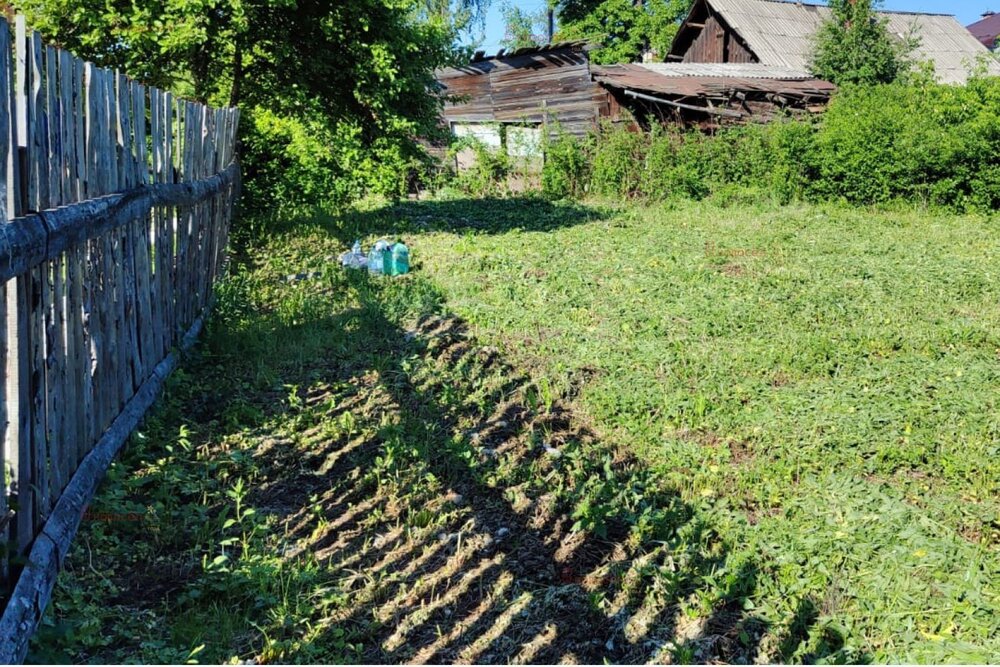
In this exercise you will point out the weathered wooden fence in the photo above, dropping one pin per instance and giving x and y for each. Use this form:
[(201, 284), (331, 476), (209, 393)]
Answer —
[(114, 214)]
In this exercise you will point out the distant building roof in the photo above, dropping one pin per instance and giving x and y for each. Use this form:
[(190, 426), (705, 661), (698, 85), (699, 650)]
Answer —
[(781, 34), (987, 29)]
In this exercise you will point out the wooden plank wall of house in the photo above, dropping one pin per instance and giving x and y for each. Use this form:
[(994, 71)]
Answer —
[(114, 216), (550, 85), (714, 42)]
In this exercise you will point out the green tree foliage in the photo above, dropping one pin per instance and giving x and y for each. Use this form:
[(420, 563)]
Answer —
[(855, 47), (520, 27), (624, 29), (338, 91)]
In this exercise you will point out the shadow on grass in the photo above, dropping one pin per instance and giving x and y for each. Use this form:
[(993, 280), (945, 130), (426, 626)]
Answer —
[(430, 503), (481, 216), (467, 517)]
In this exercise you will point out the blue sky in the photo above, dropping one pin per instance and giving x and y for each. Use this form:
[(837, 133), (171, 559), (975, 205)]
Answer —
[(966, 11)]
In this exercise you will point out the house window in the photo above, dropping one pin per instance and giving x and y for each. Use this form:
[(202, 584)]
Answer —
[(521, 142)]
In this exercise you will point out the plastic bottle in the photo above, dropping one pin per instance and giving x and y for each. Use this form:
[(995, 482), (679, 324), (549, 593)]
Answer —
[(356, 248), (375, 261), (400, 259)]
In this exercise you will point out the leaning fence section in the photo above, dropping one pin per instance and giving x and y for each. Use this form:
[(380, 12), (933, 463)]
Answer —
[(114, 214)]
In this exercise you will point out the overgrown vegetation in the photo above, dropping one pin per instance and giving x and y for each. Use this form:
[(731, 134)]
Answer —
[(923, 143), (854, 46), (708, 422), (334, 95), (622, 29), (522, 27), (685, 432)]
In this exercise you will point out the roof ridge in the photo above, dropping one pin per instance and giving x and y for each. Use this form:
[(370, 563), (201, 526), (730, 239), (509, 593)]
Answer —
[(878, 11)]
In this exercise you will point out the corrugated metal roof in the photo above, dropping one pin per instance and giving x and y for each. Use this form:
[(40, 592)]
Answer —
[(647, 78), (780, 33), (732, 70)]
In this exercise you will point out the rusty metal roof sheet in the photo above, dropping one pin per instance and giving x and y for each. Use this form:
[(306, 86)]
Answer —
[(643, 77), (732, 70), (780, 33)]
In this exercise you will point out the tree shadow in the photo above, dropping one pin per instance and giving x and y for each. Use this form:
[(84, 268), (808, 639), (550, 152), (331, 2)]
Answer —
[(488, 215), (460, 513), (534, 541)]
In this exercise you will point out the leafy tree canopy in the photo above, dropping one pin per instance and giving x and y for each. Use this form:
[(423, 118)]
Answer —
[(854, 47), (355, 78), (624, 29), (521, 28)]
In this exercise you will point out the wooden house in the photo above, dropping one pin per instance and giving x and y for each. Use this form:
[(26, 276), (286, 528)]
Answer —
[(732, 61), (506, 100), (780, 34)]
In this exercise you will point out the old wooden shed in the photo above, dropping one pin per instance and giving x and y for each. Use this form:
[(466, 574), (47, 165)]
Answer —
[(509, 99), (531, 86)]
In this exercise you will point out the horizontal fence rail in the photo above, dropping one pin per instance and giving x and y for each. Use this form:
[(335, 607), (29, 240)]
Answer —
[(114, 216)]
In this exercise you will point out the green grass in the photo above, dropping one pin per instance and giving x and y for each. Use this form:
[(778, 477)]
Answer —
[(776, 428)]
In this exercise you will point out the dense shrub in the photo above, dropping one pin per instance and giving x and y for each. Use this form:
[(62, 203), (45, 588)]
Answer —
[(928, 143), (566, 171), (674, 167), (617, 162), (488, 172), (287, 161), (296, 164), (931, 143)]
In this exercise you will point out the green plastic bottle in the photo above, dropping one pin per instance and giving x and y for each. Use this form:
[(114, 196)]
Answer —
[(400, 259), (387, 268)]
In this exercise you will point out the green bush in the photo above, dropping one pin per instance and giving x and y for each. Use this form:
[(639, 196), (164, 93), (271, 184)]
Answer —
[(673, 166), (296, 165), (487, 175), (288, 166), (566, 170), (935, 144), (920, 142), (792, 153), (618, 160)]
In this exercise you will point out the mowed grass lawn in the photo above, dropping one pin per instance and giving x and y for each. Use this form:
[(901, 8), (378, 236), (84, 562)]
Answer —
[(677, 433), (822, 382)]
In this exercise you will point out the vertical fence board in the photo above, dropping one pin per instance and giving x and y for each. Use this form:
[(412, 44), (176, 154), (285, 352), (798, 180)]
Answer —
[(93, 352), (168, 138), (76, 399), (38, 151), (5, 512), (56, 409), (79, 162), (126, 142), (113, 127), (141, 126), (18, 388), (66, 139), (38, 302), (88, 128), (52, 113)]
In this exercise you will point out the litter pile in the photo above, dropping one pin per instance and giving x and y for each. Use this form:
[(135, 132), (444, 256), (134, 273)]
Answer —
[(391, 259)]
